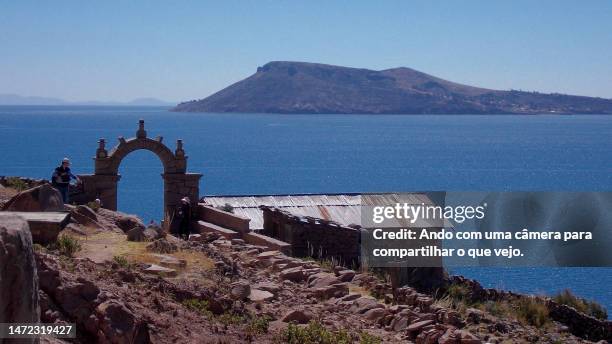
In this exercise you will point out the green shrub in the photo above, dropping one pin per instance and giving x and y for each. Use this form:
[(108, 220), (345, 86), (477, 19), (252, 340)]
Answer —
[(16, 183), (38, 248), (314, 333), (533, 312), (231, 319), (258, 325), (497, 308), (67, 245), (121, 261), (366, 338), (198, 306), (592, 308), (95, 206)]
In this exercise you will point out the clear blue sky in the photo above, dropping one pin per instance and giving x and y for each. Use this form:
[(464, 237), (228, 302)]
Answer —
[(181, 50)]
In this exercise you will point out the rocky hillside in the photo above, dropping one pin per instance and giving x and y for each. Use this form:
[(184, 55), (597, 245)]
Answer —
[(298, 87), (122, 282)]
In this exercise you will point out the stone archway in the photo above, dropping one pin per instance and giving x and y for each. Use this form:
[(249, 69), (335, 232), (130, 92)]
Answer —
[(177, 182)]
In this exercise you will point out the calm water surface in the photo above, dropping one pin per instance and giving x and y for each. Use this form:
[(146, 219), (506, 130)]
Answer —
[(279, 154)]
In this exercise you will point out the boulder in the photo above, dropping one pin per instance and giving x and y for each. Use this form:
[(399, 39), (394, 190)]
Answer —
[(152, 233), (337, 290), (85, 216), (399, 322), (346, 275), (136, 234), (41, 198), (115, 323), (171, 262), (299, 316), (154, 269), (364, 304), (453, 318), (350, 297), (162, 246), (87, 212), (127, 222), (295, 274), (240, 290), (18, 275), (258, 295), (375, 314), (322, 279), (74, 295), (80, 301), (268, 286), (431, 335), (454, 336), (417, 326)]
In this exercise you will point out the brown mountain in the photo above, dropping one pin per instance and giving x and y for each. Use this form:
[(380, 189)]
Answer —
[(299, 87)]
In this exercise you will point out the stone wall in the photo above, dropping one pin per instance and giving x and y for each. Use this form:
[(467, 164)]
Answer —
[(579, 324), (95, 186), (222, 218), (311, 237)]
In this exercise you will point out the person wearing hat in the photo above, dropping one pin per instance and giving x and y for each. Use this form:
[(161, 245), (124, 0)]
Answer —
[(184, 216), (61, 179)]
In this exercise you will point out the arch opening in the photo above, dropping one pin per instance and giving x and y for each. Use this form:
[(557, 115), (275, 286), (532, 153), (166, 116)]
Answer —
[(140, 187)]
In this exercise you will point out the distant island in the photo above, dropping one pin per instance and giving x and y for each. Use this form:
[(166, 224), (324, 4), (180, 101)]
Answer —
[(15, 99), (299, 87)]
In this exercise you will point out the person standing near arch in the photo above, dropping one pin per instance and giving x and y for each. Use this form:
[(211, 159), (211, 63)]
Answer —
[(61, 179), (184, 217)]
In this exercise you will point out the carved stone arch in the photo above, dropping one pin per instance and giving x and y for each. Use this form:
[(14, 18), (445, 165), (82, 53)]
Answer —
[(177, 182)]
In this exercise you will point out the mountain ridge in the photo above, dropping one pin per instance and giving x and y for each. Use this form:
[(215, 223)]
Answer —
[(304, 87)]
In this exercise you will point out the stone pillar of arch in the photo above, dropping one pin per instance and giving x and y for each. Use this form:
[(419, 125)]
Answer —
[(177, 182)]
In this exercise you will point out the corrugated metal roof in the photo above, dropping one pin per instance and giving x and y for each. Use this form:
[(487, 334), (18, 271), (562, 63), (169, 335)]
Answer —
[(344, 209)]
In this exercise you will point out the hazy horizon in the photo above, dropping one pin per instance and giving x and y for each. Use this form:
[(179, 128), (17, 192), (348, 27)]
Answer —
[(114, 51)]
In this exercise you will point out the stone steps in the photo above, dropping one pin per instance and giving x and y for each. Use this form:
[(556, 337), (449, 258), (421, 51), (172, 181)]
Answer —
[(203, 226)]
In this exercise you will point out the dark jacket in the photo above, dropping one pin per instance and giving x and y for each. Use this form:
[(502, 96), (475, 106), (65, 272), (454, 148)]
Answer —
[(61, 176), (184, 213)]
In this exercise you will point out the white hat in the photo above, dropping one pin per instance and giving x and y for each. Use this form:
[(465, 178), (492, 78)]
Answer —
[(186, 199), (65, 160)]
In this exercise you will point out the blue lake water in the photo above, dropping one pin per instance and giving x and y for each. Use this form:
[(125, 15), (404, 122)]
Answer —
[(280, 154)]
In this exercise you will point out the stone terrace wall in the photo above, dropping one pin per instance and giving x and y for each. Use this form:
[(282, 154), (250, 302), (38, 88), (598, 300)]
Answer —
[(579, 324), (310, 237), (222, 218)]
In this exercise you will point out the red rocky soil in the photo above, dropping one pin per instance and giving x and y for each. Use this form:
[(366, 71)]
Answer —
[(115, 304)]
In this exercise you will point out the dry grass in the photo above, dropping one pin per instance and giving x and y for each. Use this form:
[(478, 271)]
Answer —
[(532, 311), (105, 246), (585, 306), (355, 289)]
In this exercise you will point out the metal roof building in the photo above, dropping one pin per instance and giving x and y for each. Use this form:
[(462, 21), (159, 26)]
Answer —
[(344, 209)]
